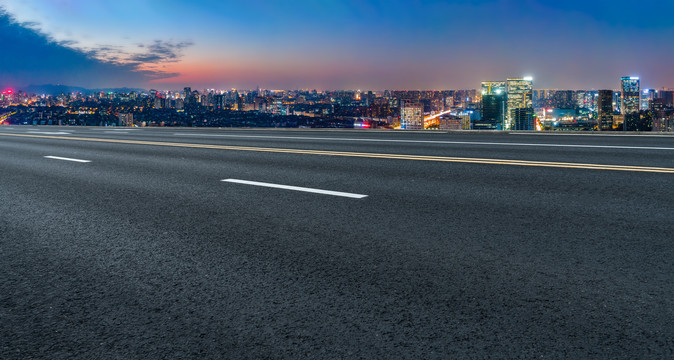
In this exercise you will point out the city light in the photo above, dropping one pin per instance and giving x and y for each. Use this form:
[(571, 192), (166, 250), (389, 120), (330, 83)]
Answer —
[(510, 104), (438, 115)]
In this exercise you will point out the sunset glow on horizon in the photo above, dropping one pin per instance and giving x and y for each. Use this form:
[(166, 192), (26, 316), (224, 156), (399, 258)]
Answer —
[(337, 44)]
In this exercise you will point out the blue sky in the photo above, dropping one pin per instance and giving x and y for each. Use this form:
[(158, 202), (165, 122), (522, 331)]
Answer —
[(336, 44)]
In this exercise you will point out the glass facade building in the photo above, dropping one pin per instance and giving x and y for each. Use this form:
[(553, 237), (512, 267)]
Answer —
[(519, 104), (493, 105), (605, 110), (630, 94)]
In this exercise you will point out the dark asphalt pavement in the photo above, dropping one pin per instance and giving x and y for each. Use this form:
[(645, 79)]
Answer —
[(145, 253)]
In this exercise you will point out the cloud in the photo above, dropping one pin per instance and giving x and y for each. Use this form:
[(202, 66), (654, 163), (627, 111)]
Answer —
[(158, 52), (146, 62), (29, 24), (30, 56), (68, 43), (161, 52)]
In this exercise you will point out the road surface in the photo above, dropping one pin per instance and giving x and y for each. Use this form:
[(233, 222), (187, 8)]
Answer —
[(206, 243)]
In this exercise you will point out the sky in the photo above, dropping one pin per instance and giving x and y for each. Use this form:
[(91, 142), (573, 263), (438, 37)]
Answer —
[(331, 44)]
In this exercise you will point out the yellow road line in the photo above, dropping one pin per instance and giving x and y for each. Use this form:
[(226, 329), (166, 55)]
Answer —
[(365, 155)]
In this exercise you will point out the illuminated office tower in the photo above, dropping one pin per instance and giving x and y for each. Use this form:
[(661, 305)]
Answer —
[(630, 94), (617, 103), (412, 116), (647, 96), (493, 87), (493, 105), (630, 102), (605, 110), (519, 104)]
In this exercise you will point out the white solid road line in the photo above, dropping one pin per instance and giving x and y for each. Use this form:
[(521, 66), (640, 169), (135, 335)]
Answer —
[(296, 188), (121, 129), (67, 159), (436, 141), (50, 132)]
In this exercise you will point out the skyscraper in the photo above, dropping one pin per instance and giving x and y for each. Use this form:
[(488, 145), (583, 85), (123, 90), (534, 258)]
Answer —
[(493, 105), (630, 102), (412, 116), (659, 115), (617, 102), (520, 109), (647, 96), (630, 94), (605, 110), (667, 95)]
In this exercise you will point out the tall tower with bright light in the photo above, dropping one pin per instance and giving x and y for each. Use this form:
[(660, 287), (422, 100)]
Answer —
[(520, 106), (630, 94), (493, 105), (629, 100)]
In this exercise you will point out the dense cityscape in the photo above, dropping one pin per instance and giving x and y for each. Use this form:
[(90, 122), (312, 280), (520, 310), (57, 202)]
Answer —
[(511, 104)]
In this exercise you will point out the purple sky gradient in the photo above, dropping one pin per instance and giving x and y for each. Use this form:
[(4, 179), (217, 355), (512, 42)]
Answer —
[(335, 44)]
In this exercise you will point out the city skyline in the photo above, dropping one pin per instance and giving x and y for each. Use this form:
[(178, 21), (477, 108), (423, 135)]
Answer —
[(334, 45)]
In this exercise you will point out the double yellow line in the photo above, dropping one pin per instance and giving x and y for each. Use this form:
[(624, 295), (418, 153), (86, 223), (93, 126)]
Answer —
[(366, 155)]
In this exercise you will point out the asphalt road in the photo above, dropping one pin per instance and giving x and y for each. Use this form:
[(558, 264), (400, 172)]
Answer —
[(144, 252)]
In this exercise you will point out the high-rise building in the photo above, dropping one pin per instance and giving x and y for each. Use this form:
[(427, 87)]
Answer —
[(519, 103), (523, 119), (277, 107), (369, 98), (647, 96), (605, 110), (630, 102), (493, 88), (559, 99), (617, 102), (158, 102), (219, 101), (493, 105), (583, 99), (630, 94), (658, 113), (412, 116), (667, 95)]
